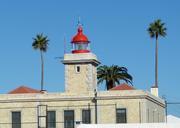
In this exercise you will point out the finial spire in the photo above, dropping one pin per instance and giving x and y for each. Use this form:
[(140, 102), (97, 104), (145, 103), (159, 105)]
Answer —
[(79, 22)]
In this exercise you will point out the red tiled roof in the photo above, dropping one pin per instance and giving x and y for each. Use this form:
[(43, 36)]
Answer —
[(123, 87), (24, 89)]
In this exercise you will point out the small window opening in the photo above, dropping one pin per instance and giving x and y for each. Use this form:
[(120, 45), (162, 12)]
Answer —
[(78, 69)]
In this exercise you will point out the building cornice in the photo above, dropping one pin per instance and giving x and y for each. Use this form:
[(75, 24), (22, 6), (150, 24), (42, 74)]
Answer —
[(13, 98), (93, 61)]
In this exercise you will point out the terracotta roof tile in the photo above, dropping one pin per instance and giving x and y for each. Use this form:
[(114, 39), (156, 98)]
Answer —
[(123, 87), (24, 89)]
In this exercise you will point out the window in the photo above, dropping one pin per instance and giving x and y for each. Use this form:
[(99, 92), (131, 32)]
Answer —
[(51, 115), (81, 46), (78, 69), (68, 118), (16, 119), (86, 116), (121, 115)]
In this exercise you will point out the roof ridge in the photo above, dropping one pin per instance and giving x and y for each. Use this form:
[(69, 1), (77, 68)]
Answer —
[(123, 86), (23, 89)]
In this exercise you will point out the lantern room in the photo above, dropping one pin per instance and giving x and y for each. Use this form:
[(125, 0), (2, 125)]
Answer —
[(80, 43)]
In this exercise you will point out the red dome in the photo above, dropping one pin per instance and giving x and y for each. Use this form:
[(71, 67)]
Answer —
[(80, 37)]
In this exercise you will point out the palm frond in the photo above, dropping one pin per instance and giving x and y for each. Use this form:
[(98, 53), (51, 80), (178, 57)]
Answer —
[(40, 42), (156, 29)]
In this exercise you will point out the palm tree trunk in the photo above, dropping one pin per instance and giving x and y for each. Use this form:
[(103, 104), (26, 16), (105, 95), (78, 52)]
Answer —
[(42, 71), (156, 63), (109, 85)]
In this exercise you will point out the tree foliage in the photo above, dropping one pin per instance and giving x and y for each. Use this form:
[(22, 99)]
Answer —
[(112, 75), (157, 29), (40, 43)]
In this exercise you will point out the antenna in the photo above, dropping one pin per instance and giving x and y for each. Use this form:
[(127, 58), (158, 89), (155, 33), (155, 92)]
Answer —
[(59, 58), (64, 44)]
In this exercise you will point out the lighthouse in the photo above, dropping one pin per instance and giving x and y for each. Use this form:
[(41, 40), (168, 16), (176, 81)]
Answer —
[(80, 42), (80, 65)]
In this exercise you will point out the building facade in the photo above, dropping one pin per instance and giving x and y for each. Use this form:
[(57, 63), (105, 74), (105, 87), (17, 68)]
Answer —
[(81, 102)]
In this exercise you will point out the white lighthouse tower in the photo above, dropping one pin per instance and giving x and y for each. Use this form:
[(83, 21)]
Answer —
[(80, 65)]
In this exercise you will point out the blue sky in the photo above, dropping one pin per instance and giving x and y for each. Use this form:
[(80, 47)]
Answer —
[(116, 29)]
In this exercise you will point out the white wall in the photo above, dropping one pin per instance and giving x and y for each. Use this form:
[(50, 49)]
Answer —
[(145, 125)]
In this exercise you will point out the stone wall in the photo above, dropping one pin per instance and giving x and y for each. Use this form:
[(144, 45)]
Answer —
[(136, 102)]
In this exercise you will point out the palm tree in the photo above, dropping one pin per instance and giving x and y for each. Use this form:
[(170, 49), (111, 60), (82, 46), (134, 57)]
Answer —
[(155, 30), (112, 75), (41, 43)]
